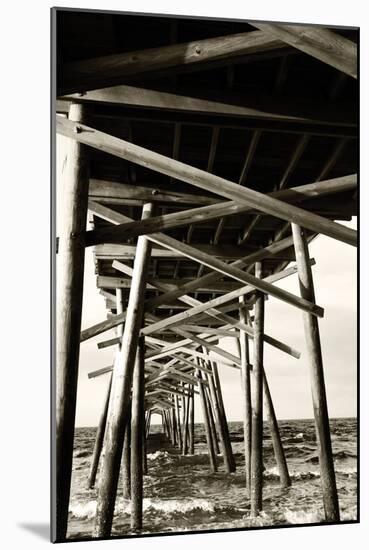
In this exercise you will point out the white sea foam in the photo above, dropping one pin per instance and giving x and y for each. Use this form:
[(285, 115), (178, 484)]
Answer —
[(87, 510), (303, 516)]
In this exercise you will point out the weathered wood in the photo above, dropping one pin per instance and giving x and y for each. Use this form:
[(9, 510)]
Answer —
[(121, 232), (205, 415), (122, 380), (209, 182), (137, 431), (314, 358), (284, 476), (113, 69), (221, 104), (213, 430), (215, 313), (109, 281), (246, 395), (196, 310), (323, 44), (185, 416), (111, 192), (178, 422), (191, 446), (126, 458), (70, 268), (128, 251), (228, 459), (99, 440), (257, 412)]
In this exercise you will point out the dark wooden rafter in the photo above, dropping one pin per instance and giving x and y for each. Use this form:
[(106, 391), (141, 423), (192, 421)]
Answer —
[(89, 74), (323, 44)]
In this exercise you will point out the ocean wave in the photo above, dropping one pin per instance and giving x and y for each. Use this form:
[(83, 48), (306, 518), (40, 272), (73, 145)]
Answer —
[(273, 473), (87, 510), (295, 517)]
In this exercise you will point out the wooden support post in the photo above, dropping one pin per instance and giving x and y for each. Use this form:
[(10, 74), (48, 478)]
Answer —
[(121, 387), (311, 326), (246, 394), (225, 444), (99, 440), (284, 476), (174, 427), (213, 430), (184, 425), (222, 414), (137, 426), (192, 422), (144, 453), (70, 268), (178, 418), (257, 412), (209, 439), (148, 423), (126, 460)]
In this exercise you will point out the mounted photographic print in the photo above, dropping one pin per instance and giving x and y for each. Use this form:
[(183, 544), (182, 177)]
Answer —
[(205, 204)]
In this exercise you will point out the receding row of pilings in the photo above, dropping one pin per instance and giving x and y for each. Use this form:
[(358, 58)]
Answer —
[(127, 391)]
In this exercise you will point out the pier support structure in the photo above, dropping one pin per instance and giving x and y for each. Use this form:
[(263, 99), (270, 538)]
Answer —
[(318, 392), (70, 267)]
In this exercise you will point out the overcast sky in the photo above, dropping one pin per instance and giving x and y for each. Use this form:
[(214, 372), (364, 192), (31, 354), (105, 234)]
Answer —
[(335, 288)]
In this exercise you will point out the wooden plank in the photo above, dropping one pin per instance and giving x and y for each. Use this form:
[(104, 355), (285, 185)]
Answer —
[(204, 180), (105, 281), (112, 192), (128, 252), (323, 44), (121, 232), (302, 111), (89, 74)]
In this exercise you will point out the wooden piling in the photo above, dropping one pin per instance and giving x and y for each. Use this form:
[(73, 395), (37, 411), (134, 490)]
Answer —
[(99, 440), (191, 449), (185, 411), (246, 394), (225, 444), (70, 269), (213, 429), (126, 460), (257, 411), (222, 415), (178, 419), (209, 439), (314, 356), (284, 476), (121, 387), (137, 431)]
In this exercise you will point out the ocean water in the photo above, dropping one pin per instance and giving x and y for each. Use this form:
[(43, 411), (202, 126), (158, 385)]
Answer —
[(180, 493)]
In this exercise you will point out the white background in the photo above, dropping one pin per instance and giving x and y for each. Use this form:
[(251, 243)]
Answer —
[(24, 302)]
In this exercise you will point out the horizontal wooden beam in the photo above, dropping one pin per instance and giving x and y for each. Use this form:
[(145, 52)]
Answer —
[(112, 192), (128, 252), (127, 230), (107, 281), (204, 180), (323, 44), (90, 74), (301, 111)]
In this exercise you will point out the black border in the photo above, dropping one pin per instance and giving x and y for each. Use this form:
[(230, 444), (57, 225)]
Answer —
[(53, 42)]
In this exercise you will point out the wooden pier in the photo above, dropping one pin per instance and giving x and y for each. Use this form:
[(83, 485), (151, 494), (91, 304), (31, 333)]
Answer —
[(206, 155)]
